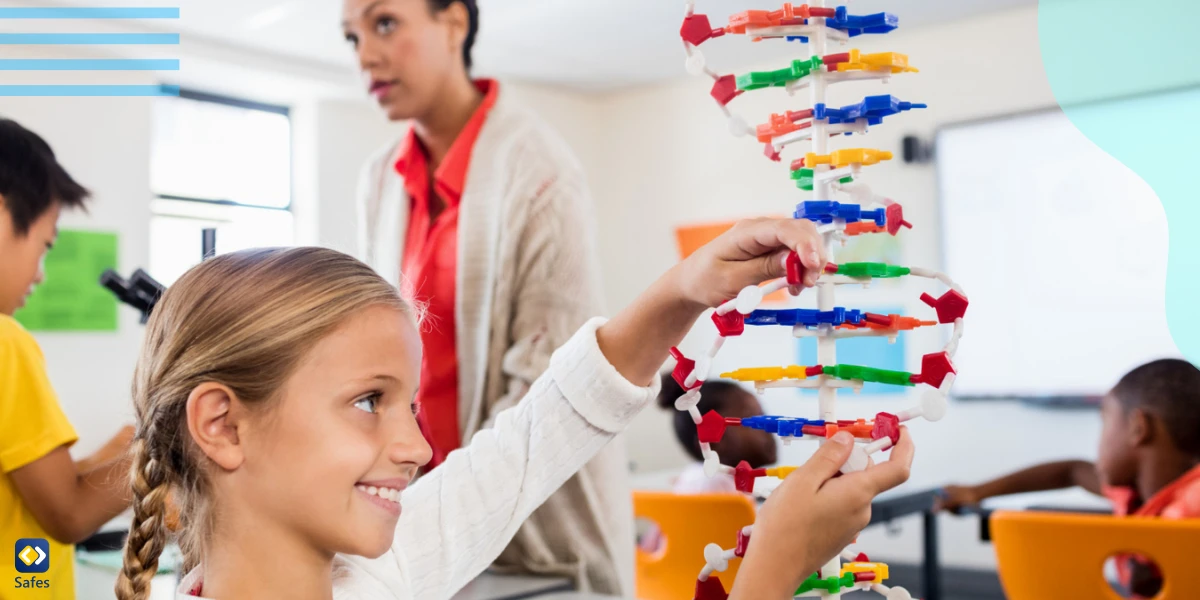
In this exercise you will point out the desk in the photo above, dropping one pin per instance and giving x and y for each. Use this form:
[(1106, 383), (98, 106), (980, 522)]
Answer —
[(493, 586)]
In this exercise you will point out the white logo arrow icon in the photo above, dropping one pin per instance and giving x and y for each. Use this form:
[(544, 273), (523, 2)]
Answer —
[(41, 556)]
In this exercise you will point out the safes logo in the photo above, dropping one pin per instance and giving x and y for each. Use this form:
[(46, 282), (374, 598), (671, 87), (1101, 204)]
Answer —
[(32, 555)]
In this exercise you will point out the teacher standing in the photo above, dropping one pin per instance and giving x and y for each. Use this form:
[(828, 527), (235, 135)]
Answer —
[(486, 213)]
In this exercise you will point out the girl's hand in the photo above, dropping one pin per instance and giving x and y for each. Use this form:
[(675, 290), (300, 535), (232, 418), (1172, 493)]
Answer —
[(752, 252), (812, 516)]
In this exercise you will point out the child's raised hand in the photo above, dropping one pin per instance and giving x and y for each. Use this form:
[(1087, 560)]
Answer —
[(752, 252), (813, 515)]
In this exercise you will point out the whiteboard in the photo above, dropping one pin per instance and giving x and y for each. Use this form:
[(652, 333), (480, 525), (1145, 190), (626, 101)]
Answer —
[(1062, 251)]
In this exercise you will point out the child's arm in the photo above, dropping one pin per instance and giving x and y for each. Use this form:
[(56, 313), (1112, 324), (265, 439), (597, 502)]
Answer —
[(71, 505), (1049, 476), (472, 505), (113, 448)]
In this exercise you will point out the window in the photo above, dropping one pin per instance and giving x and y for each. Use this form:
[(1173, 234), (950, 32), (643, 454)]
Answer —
[(217, 162)]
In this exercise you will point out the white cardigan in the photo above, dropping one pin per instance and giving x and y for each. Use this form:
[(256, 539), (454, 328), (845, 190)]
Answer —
[(527, 278), (457, 519)]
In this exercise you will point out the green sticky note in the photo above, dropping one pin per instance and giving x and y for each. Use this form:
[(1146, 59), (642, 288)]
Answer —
[(71, 298)]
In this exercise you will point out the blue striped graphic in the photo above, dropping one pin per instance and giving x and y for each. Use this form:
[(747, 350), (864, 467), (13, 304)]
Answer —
[(88, 90), (72, 64), (89, 13), (89, 38)]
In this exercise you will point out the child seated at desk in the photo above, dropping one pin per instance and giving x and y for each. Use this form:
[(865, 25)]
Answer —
[(739, 444), (1148, 463)]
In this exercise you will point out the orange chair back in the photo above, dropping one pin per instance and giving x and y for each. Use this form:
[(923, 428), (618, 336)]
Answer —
[(1057, 555), (688, 523)]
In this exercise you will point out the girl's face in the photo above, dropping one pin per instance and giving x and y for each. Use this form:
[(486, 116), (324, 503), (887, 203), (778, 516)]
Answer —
[(407, 52), (328, 461)]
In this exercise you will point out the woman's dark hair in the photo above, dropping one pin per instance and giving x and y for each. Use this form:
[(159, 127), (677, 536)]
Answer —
[(472, 28), (714, 395)]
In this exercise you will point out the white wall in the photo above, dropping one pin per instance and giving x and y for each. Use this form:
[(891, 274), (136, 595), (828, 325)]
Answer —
[(670, 160)]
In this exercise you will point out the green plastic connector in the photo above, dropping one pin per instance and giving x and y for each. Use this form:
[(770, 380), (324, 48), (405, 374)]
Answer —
[(804, 178), (874, 270), (809, 585), (870, 375), (757, 80)]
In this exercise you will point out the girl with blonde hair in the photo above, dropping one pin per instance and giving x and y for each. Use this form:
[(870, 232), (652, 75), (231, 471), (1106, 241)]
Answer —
[(274, 404)]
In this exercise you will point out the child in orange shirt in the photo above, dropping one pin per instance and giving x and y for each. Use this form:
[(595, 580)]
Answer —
[(1149, 458)]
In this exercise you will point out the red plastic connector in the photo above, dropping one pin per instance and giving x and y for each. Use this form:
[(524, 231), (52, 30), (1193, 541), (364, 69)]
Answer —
[(697, 29), (731, 324), (934, 369), (831, 268), (770, 152), (742, 544), (864, 576), (744, 476), (725, 89), (878, 319), (833, 59), (895, 219), (828, 13), (951, 306), (814, 370), (817, 430), (862, 557), (887, 425), (711, 428), (683, 367), (795, 269), (710, 589)]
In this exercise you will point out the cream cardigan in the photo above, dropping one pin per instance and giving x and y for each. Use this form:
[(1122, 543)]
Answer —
[(527, 278), (459, 517)]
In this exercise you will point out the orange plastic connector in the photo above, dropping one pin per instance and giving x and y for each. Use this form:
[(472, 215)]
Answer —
[(781, 124), (864, 227), (895, 323), (755, 19), (859, 429)]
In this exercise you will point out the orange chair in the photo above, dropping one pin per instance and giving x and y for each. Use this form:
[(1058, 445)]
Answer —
[(1045, 556), (688, 523)]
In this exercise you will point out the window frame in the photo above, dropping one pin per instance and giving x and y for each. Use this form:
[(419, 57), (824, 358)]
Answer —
[(286, 112)]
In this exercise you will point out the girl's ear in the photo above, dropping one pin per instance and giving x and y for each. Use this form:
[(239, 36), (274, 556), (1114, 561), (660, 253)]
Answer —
[(212, 421)]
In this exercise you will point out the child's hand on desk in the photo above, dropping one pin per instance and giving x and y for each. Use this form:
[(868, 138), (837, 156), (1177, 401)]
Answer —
[(813, 515)]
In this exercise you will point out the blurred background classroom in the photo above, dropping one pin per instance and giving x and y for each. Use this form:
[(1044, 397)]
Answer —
[(1061, 248)]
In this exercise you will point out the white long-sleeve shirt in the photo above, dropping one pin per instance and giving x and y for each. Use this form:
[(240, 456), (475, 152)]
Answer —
[(527, 278), (457, 519)]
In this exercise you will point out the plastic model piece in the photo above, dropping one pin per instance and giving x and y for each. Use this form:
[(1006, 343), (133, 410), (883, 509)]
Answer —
[(841, 206)]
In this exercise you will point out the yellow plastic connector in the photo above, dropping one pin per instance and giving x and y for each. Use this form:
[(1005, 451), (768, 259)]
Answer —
[(892, 61), (849, 156), (780, 472), (880, 570), (766, 374)]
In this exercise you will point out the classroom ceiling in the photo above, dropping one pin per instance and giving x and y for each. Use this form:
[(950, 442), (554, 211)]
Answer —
[(592, 45)]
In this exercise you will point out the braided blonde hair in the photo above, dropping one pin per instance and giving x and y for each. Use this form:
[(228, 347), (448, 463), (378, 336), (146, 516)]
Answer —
[(243, 320)]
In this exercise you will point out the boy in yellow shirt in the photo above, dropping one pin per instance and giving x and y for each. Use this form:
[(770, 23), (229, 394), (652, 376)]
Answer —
[(47, 501)]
